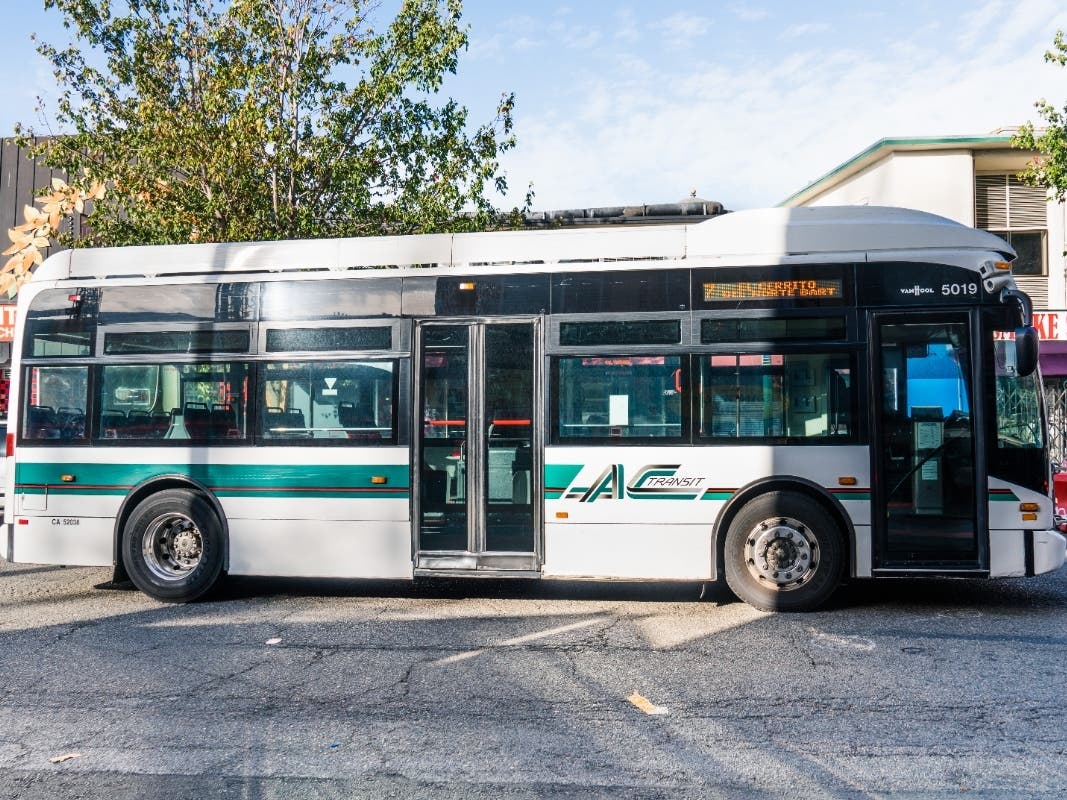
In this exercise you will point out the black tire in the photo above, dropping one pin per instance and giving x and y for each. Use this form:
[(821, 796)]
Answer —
[(783, 553), (172, 546)]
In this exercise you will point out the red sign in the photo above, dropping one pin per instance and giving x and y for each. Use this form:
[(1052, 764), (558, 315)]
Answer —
[(7, 322), (1051, 326)]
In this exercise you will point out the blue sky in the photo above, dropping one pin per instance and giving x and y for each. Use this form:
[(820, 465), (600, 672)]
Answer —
[(621, 103)]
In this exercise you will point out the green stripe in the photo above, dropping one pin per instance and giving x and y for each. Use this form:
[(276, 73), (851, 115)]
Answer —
[(558, 477), (1002, 496), (852, 496), (226, 480), (710, 495)]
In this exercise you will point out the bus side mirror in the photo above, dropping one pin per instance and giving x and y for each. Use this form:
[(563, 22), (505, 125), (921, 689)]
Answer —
[(1026, 350)]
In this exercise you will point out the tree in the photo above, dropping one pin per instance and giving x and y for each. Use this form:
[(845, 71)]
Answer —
[(269, 119), (39, 227), (1050, 140)]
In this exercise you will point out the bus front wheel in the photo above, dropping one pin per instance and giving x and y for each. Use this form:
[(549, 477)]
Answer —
[(783, 553), (172, 546)]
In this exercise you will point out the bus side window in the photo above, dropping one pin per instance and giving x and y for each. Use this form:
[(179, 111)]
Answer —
[(333, 402), (54, 403)]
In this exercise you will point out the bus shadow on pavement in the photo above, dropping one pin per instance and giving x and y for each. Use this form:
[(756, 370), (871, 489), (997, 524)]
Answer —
[(245, 588), (949, 594)]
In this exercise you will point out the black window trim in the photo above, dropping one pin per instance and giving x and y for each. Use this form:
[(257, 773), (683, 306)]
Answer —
[(178, 327), (848, 314), (400, 337), (684, 318)]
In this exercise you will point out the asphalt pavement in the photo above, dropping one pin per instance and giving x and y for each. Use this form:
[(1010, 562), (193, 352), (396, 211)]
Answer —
[(497, 689)]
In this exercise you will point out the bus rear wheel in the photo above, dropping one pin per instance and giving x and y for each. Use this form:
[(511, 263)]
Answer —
[(172, 546), (783, 553)]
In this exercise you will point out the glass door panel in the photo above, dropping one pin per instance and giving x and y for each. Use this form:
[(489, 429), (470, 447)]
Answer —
[(445, 378), (509, 396), (925, 455)]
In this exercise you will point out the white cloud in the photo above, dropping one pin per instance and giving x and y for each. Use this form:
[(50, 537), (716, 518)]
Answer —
[(681, 28), (580, 38), (980, 20), (747, 13), (804, 29), (627, 30), (750, 134)]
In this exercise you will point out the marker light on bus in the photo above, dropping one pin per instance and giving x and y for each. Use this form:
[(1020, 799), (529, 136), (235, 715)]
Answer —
[(1029, 507), (466, 286), (10, 450), (847, 480)]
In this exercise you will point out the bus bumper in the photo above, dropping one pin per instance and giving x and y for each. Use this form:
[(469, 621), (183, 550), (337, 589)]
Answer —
[(1050, 549)]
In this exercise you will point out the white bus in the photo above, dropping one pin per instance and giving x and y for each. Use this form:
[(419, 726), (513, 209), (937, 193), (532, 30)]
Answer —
[(788, 398)]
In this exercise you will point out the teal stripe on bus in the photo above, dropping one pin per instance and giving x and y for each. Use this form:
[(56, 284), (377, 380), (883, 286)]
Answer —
[(1002, 496), (558, 477), (225, 480), (717, 494), (847, 495)]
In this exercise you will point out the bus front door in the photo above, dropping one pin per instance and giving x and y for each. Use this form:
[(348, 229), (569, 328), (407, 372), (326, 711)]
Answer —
[(925, 513), (476, 472)]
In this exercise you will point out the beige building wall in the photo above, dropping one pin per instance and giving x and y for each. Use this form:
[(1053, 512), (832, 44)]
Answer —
[(941, 183)]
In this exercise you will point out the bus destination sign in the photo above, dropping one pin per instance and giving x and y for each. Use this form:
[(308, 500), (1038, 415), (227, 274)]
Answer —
[(798, 289)]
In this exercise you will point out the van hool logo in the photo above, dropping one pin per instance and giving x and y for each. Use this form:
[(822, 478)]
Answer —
[(917, 290), (652, 481)]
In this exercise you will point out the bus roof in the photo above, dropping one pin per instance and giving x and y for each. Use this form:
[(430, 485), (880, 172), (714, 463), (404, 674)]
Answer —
[(771, 233)]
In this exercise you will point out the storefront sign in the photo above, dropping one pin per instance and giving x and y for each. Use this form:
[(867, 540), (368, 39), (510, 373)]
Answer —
[(1051, 326), (7, 322)]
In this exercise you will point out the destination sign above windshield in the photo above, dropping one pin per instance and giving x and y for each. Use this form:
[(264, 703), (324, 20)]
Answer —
[(797, 289)]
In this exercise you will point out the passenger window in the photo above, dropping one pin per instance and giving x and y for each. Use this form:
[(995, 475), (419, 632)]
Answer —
[(620, 397), (200, 402), (349, 402), (775, 396), (55, 403)]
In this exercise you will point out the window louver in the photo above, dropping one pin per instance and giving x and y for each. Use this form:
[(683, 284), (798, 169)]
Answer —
[(1036, 288), (1003, 202)]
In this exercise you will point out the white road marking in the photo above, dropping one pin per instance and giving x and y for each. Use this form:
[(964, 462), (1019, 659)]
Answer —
[(529, 637)]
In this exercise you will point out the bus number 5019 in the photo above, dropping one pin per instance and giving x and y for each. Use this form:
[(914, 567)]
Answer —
[(958, 289)]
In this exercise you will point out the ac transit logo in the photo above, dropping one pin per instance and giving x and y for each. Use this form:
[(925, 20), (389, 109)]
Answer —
[(652, 482), (917, 290)]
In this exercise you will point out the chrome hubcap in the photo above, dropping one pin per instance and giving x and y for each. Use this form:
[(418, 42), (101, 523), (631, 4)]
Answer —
[(172, 546), (782, 553)]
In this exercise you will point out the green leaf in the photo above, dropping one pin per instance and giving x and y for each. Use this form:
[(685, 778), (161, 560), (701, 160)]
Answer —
[(270, 119)]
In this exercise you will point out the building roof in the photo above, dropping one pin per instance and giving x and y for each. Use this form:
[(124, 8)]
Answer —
[(883, 147)]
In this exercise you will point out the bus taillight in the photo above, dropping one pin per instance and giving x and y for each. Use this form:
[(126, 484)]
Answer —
[(10, 445)]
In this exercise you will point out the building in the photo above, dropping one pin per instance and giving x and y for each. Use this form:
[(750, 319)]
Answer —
[(973, 180)]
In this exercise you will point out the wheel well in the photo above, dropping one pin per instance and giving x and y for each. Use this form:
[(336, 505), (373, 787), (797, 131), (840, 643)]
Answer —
[(797, 485), (150, 487)]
